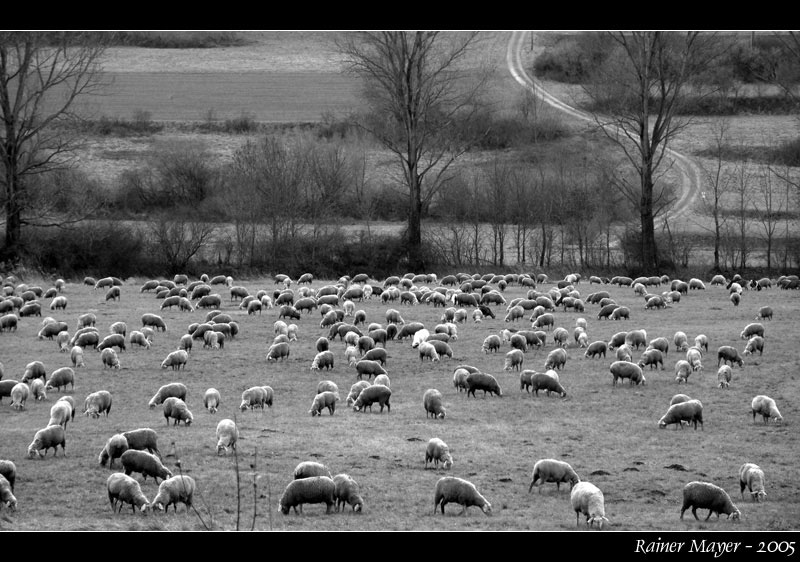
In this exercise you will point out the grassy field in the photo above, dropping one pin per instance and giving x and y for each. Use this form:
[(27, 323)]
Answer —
[(609, 434)]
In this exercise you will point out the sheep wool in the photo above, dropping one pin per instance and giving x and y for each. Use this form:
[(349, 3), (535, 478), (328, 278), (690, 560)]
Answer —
[(141, 439), (113, 449), (432, 402), (227, 435), (437, 451), (450, 489), (174, 490), (7, 494), (314, 489), (123, 489), (146, 463), (587, 499), (346, 491), (765, 406), (326, 399), (211, 400), (44, 439), (552, 470), (706, 495), (752, 477)]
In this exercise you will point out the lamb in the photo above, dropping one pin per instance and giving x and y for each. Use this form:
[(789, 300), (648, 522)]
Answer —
[(587, 499), (355, 390), (756, 343), (227, 435), (123, 489), (278, 351), (176, 389), (38, 390), (690, 411), (370, 368), (141, 439), (556, 359), (432, 402), (491, 343), (113, 449), (552, 470), (626, 370), (326, 399), (752, 477), (256, 396), (154, 321), (729, 354), (97, 403), (346, 490), (374, 393), (176, 359), (450, 489), (484, 382), (109, 358), (7, 494), (708, 496), (146, 463), (60, 413), (653, 358), (548, 382), (76, 356), (754, 329), (211, 400), (178, 488), (19, 395), (50, 436), (437, 451), (514, 360), (177, 409), (315, 489), (765, 406), (9, 471), (61, 377)]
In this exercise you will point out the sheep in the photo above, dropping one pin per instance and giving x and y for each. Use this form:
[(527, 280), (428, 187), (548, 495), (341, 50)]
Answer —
[(20, 393), (764, 313), (346, 491), (33, 370), (355, 390), (123, 489), (754, 329), (729, 354), (545, 320), (97, 403), (109, 358), (8, 323), (556, 359), (393, 317), (211, 339), (376, 354), (484, 382), (146, 463), (756, 343), (679, 398), (113, 294), (371, 394), (560, 337), (278, 352), (587, 499), (432, 402), (7, 497), (178, 488), (690, 411), (552, 470), (752, 477), (50, 436), (38, 390), (437, 451), (694, 357), (49, 330), (450, 489), (682, 371), (765, 406), (256, 396), (315, 489), (154, 321), (653, 358), (701, 341), (326, 399), (176, 359), (548, 382), (724, 375), (708, 496), (227, 435), (176, 389), (408, 330), (177, 409), (491, 343), (596, 348), (370, 368), (61, 377), (32, 308), (327, 385), (621, 313), (60, 413), (76, 356), (8, 470), (113, 449), (635, 338), (626, 370), (308, 469), (514, 360), (141, 439)]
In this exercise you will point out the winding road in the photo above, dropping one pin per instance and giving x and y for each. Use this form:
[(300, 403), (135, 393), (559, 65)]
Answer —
[(690, 173)]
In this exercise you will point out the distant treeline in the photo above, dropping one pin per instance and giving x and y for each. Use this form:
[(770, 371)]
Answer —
[(162, 39)]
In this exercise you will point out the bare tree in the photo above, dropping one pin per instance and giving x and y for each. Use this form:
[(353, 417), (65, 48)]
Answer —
[(421, 91), (743, 178), (41, 77), (770, 210), (179, 240), (719, 184)]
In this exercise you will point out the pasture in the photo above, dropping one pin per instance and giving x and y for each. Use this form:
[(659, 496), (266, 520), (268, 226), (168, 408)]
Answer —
[(609, 434)]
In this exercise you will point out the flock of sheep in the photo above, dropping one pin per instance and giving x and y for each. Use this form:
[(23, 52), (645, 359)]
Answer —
[(470, 301)]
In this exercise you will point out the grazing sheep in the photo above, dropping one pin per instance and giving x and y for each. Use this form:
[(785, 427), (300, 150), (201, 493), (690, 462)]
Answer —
[(141, 439), (113, 449), (326, 399), (278, 351), (109, 358), (548, 382), (706, 495), (256, 396), (146, 463), (437, 451), (154, 321), (552, 470), (7, 497), (752, 477), (177, 409), (347, 491), (514, 360), (8, 323), (694, 357), (491, 343), (60, 413), (376, 354), (97, 403), (546, 321), (211, 400), (729, 354), (484, 382), (450, 489), (33, 370), (432, 402), (621, 313), (372, 394), (50, 330), (690, 411), (19, 395), (123, 489), (701, 341), (754, 329), (756, 343), (308, 469), (621, 370), (227, 435), (653, 358), (724, 375), (560, 337), (556, 359), (682, 371), (355, 390), (679, 398), (50, 436), (139, 339), (176, 359), (596, 348), (764, 313), (314, 489), (681, 341), (176, 389), (76, 356), (61, 378), (371, 368), (765, 406), (587, 499), (38, 390), (179, 488)]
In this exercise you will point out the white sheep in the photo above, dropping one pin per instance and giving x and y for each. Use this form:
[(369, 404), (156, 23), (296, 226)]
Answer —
[(256, 396), (61, 377), (682, 371), (724, 375), (76, 356), (514, 360), (139, 339), (552, 470), (355, 390), (142, 439), (432, 402), (113, 449), (755, 343), (690, 411), (176, 359), (754, 329), (227, 435), (176, 389), (323, 360), (109, 358), (587, 499), (708, 496), (278, 351), (123, 489), (50, 436), (752, 477), (372, 394), (20, 393), (211, 400), (346, 491), (314, 489), (437, 451), (450, 489), (326, 399), (177, 409), (681, 341), (177, 489), (97, 403), (694, 357), (60, 413), (765, 406), (38, 390), (145, 463), (7, 493)]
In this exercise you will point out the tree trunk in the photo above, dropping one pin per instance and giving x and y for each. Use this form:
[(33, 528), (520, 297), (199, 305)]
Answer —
[(11, 247), (649, 252), (415, 259)]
